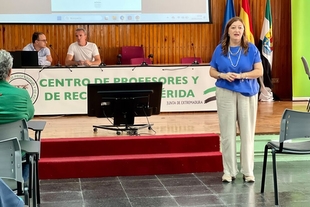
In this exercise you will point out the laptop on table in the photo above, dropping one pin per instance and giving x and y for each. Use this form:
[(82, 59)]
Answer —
[(25, 59)]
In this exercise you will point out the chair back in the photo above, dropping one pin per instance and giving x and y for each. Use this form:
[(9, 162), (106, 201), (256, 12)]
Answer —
[(128, 52), (139, 61), (10, 159), (294, 125), (17, 129), (190, 60), (305, 63)]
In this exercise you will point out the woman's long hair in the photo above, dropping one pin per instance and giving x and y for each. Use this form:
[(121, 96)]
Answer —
[(225, 38)]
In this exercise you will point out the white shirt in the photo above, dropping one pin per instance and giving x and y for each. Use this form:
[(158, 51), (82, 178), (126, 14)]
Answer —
[(82, 53)]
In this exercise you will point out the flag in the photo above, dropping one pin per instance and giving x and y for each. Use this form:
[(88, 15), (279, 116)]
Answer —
[(245, 15), (266, 35), (229, 13), (265, 47)]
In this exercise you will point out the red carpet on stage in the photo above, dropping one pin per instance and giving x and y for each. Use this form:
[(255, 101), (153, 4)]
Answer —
[(129, 155)]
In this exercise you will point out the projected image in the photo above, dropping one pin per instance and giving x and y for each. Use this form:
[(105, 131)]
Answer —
[(95, 5)]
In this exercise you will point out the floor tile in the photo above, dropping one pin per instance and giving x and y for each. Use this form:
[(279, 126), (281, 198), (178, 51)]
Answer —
[(188, 190), (187, 181), (101, 186), (59, 187), (153, 202), (148, 183), (198, 200), (62, 204), (103, 194), (62, 196), (146, 192), (108, 203)]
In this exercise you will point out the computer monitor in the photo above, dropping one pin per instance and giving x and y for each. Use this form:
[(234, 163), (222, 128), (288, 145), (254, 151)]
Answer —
[(124, 101), (24, 58)]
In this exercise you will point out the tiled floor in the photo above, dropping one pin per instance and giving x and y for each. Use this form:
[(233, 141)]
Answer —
[(197, 189)]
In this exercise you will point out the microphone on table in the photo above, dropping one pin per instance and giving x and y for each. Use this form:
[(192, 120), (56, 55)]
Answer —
[(195, 62), (119, 59), (69, 68), (102, 64), (58, 62), (43, 67), (144, 63)]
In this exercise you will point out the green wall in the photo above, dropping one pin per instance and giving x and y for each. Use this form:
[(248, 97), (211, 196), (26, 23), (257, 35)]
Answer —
[(300, 47)]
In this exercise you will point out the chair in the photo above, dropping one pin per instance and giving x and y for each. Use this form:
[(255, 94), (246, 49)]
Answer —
[(305, 63), (11, 164), (140, 61), (129, 52), (19, 131), (191, 60), (11, 168), (294, 126)]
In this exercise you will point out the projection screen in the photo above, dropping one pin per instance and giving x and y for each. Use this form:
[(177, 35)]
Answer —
[(105, 11)]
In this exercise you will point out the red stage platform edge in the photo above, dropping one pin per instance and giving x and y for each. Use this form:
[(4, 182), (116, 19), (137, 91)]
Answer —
[(129, 155)]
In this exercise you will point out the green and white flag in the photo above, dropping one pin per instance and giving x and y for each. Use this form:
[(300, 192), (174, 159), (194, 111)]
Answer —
[(265, 47), (266, 35)]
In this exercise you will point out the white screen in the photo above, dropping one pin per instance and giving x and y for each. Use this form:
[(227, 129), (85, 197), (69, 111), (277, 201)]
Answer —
[(105, 11)]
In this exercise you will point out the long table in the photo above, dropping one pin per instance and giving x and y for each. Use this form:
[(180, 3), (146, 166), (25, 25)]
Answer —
[(63, 90)]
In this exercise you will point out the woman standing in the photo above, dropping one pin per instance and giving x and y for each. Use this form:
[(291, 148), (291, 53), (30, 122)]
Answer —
[(236, 64)]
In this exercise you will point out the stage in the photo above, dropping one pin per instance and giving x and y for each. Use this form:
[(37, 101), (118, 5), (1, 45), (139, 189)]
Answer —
[(76, 126)]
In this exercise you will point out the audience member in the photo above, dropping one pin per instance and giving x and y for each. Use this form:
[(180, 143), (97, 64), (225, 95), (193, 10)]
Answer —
[(39, 44), (15, 103), (82, 52)]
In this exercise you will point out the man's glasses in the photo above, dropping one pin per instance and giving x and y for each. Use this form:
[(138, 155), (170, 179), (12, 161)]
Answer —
[(43, 40)]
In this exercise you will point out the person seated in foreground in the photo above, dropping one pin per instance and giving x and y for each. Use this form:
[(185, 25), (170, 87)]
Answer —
[(15, 103), (39, 44), (82, 52)]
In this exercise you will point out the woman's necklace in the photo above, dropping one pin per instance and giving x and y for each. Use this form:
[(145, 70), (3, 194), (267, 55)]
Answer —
[(231, 62), (235, 52)]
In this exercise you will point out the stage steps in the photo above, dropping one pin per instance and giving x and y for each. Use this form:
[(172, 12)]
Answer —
[(129, 155)]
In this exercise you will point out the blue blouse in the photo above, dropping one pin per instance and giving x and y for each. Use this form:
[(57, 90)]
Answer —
[(237, 62)]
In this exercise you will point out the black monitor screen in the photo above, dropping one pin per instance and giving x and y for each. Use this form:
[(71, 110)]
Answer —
[(24, 58), (124, 101), (30, 58)]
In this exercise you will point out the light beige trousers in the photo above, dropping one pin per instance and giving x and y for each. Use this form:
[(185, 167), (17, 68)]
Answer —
[(235, 110)]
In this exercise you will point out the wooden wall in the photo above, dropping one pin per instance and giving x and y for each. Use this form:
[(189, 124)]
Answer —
[(168, 42)]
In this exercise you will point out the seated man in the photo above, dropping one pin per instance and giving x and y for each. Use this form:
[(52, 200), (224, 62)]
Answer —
[(15, 103), (82, 52), (39, 44)]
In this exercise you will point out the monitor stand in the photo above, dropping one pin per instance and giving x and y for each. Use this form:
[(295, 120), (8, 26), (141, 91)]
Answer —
[(129, 127)]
